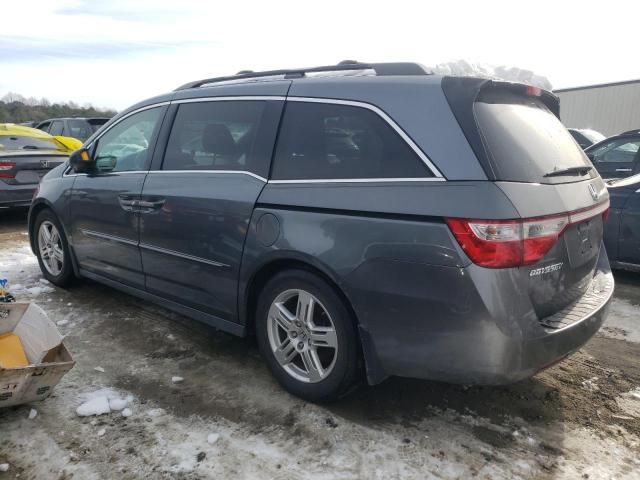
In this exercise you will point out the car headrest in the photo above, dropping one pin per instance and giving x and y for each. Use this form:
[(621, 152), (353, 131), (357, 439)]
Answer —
[(217, 139)]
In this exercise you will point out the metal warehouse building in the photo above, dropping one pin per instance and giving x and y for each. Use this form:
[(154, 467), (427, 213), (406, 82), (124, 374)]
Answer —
[(610, 108)]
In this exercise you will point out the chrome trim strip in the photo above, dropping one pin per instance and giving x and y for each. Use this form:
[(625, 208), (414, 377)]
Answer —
[(438, 177), (166, 251), (224, 172), (137, 110), (104, 173), (105, 236), (384, 116), (360, 180), (262, 179), (581, 215), (222, 99)]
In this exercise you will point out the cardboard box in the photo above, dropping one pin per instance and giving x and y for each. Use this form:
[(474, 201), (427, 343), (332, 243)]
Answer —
[(48, 358)]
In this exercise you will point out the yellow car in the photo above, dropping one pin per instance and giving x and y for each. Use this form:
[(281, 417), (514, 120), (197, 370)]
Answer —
[(27, 155)]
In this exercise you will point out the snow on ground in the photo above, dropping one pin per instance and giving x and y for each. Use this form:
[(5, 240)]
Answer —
[(229, 419), (625, 325), (102, 401), (629, 402)]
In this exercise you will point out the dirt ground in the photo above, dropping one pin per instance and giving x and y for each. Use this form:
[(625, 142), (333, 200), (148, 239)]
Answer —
[(579, 419)]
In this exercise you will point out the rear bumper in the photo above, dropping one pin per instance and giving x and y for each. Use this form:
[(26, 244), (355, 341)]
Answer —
[(470, 325), (16, 195)]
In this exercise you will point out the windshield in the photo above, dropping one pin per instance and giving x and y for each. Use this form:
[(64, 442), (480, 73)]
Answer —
[(592, 135), (21, 142), (621, 149), (525, 141)]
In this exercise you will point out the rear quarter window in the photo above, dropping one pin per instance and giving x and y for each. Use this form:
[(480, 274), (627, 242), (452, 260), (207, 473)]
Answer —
[(333, 141)]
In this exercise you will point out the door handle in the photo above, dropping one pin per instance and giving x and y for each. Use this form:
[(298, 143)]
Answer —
[(127, 202), (149, 204), (623, 169)]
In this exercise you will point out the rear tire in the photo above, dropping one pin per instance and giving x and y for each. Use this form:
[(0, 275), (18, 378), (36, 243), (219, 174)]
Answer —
[(307, 336), (52, 249)]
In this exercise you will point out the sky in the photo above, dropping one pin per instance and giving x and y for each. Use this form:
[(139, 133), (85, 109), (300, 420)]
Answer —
[(113, 53)]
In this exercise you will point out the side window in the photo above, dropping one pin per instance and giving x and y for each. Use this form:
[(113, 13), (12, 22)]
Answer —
[(329, 141), (56, 128), (44, 126), (619, 151), (128, 145), (215, 135)]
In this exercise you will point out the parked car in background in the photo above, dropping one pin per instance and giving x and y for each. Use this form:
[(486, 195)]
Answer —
[(622, 228), (357, 218), (80, 128), (617, 156), (26, 155), (585, 136)]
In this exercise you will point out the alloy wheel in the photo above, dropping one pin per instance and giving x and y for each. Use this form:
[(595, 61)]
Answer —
[(50, 248), (302, 336)]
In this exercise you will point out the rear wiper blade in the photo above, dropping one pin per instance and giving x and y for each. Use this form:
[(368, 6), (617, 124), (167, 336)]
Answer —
[(30, 147), (583, 170)]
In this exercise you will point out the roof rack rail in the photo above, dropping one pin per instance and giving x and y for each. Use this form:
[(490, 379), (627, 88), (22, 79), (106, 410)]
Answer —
[(381, 69)]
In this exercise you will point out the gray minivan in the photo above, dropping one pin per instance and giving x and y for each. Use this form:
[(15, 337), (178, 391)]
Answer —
[(356, 218)]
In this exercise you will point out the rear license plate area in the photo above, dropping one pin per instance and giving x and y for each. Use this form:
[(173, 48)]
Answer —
[(583, 242)]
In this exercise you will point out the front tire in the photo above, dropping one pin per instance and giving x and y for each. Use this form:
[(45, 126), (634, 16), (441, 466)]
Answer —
[(52, 249), (308, 336)]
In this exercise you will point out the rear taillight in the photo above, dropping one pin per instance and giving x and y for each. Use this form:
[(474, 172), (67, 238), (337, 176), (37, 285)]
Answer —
[(512, 243), (4, 166)]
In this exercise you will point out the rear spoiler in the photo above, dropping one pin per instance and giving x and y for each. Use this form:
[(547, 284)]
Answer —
[(551, 101), (467, 89), (462, 92)]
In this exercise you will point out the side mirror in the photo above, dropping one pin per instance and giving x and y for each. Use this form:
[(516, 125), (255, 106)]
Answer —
[(106, 163), (81, 161)]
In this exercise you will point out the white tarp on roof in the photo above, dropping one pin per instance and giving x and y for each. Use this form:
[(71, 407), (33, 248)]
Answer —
[(514, 74)]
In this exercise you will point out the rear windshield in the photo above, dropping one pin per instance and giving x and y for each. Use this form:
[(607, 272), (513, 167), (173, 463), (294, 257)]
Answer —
[(20, 142), (80, 129), (96, 123), (525, 141)]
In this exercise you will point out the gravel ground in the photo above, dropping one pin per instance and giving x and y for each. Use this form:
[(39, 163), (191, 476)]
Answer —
[(227, 418)]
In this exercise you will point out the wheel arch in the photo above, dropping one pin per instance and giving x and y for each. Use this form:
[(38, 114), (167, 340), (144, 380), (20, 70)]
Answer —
[(273, 265), (287, 261), (38, 206)]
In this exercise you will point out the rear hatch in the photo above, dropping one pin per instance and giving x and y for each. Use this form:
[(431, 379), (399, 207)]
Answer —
[(522, 145), (22, 168)]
